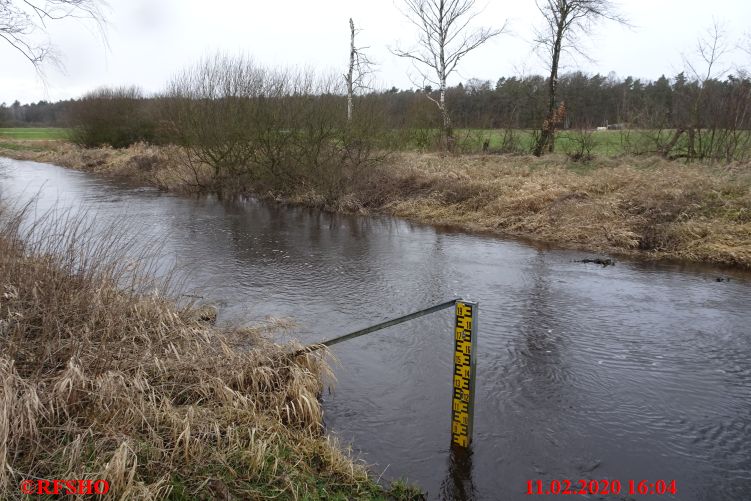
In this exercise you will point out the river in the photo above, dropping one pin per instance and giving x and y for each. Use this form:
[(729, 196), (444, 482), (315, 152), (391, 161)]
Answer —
[(638, 371)]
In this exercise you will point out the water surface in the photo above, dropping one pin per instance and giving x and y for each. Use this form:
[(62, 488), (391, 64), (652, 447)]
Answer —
[(637, 371)]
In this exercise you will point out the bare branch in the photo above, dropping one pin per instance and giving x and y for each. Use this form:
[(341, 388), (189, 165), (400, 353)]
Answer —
[(745, 46), (360, 68), (711, 48), (22, 21)]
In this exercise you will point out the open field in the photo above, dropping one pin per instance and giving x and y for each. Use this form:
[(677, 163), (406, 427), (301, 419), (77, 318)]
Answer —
[(645, 206), (570, 142), (37, 133), (610, 143), (100, 383), (605, 143), (32, 139)]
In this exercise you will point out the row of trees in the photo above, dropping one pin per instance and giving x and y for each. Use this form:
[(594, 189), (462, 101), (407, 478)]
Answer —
[(699, 106), (705, 104), (444, 38), (510, 102), (42, 114), (230, 101)]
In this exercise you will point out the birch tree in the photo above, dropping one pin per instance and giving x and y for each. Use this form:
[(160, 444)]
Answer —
[(444, 38), (565, 21), (23, 24)]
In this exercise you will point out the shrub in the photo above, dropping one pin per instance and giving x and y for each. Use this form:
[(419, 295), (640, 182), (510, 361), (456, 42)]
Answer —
[(117, 117), (281, 130)]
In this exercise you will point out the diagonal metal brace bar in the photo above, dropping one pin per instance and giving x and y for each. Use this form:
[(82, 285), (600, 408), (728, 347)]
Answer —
[(379, 326)]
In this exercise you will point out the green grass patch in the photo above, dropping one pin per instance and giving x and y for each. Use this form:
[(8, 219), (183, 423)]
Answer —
[(580, 144), (603, 143), (36, 133)]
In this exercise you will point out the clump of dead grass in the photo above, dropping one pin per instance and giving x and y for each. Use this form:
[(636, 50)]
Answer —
[(163, 167), (101, 383), (630, 205)]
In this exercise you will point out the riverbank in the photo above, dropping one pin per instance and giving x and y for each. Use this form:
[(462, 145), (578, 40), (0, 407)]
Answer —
[(131, 388), (638, 206)]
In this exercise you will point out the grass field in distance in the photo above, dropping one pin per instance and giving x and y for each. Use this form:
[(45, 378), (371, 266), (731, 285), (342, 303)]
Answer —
[(38, 133)]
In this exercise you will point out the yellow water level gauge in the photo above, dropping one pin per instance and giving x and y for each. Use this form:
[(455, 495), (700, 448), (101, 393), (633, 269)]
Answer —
[(465, 343)]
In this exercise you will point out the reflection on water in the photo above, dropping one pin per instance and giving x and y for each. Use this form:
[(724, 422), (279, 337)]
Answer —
[(638, 371), (458, 484)]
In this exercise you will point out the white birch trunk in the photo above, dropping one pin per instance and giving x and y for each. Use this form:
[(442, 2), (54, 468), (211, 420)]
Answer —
[(446, 132)]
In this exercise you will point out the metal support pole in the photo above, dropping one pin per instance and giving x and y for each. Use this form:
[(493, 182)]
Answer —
[(465, 347), (377, 327)]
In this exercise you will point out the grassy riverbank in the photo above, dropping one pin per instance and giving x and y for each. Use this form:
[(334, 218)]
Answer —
[(99, 383), (644, 206)]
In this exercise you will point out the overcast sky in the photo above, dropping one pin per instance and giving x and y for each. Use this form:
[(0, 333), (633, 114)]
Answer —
[(149, 40)]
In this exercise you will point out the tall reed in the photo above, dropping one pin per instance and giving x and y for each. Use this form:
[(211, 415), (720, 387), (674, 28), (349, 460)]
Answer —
[(102, 376)]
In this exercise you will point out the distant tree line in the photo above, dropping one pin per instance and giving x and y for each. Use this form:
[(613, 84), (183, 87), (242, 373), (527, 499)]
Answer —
[(692, 118), (704, 112), (41, 114), (511, 102), (593, 101)]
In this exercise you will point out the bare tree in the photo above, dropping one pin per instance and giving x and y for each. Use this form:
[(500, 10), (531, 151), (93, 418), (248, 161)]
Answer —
[(565, 22), (745, 43), (23, 21), (359, 69), (444, 39), (710, 49), (715, 105)]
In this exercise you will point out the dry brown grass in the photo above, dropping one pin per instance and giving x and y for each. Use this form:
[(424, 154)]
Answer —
[(643, 206), (99, 383), (159, 166)]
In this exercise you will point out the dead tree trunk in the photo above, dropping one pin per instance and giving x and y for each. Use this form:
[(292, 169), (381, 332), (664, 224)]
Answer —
[(350, 75), (359, 69), (668, 148)]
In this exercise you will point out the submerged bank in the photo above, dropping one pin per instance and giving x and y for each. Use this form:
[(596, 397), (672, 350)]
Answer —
[(639, 206), (103, 384)]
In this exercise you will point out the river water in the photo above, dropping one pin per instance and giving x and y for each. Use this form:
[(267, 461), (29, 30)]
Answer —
[(632, 372)]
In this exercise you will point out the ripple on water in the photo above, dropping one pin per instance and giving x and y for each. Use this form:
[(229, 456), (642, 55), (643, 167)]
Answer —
[(633, 371)]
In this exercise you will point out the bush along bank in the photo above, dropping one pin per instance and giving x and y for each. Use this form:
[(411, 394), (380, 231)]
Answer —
[(132, 389)]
